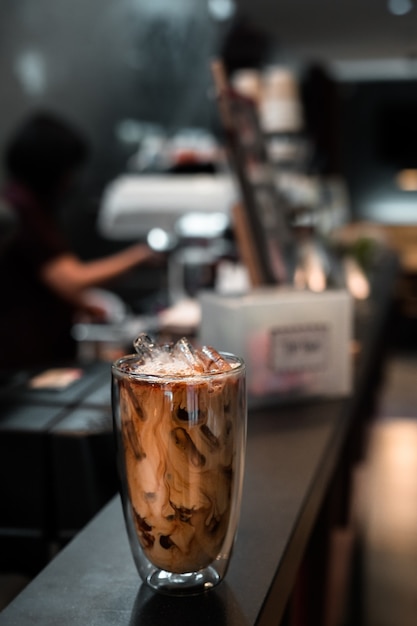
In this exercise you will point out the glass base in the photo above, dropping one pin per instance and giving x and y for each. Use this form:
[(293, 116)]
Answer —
[(191, 583)]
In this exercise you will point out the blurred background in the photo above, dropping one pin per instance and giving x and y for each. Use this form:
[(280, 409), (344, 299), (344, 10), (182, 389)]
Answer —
[(123, 71), (113, 70), (113, 67)]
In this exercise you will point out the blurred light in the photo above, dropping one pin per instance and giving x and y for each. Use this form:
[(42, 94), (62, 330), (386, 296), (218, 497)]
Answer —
[(129, 131), (221, 9), (30, 69), (202, 225), (393, 487), (159, 240), (399, 7), (407, 180), (163, 8), (372, 70), (310, 277), (316, 279), (388, 206), (356, 281)]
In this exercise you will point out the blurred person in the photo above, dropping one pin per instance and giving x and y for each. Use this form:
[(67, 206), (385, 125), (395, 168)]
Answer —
[(44, 285)]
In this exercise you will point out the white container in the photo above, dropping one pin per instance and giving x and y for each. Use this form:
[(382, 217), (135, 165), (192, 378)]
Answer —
[(296, 344)]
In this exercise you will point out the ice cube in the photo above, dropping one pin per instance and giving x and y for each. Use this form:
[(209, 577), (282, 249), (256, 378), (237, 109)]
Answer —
[(213, 361), (145, 346), (184, 351), (166, 348)]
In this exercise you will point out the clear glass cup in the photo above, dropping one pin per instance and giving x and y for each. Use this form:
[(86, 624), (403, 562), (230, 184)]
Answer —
[(180, 443)]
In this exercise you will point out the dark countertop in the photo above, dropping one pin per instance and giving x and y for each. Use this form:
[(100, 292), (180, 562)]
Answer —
[(93, 581), (293, 453)]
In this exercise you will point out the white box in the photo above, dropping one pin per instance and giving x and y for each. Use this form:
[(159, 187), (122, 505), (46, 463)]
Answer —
[(295, 343)]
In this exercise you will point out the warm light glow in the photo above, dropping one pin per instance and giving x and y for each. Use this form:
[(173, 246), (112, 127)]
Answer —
[(356, 281), (316, 279), (407, 180), (310, 272), (310, 276), (392, 511), (390, 523)]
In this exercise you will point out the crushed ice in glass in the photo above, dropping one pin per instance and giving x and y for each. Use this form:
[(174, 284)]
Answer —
[(178, 358)]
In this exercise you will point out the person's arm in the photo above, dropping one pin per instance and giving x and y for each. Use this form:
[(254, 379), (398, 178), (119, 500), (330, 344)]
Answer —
[(69, 277)]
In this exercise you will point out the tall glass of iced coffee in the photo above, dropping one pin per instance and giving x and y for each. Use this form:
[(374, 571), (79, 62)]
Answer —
[(180, 424)]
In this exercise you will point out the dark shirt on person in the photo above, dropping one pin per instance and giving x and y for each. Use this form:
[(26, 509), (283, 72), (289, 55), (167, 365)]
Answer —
[(35, 324)]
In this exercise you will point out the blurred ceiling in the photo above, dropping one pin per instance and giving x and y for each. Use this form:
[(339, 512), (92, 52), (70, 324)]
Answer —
[(373, 38)]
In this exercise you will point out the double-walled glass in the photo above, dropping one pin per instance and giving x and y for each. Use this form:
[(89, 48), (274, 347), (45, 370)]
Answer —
[(180, 451)]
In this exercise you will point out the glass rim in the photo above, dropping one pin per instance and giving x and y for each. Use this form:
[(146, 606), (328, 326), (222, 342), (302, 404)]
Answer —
[(171, 376)]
